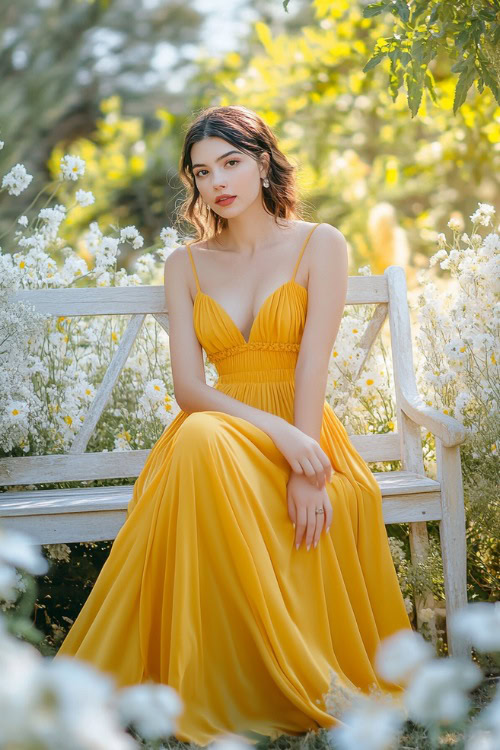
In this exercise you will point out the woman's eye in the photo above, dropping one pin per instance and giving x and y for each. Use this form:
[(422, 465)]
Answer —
[(231, 161)]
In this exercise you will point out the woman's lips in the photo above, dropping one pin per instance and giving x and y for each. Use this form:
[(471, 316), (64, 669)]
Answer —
[(226, 201)]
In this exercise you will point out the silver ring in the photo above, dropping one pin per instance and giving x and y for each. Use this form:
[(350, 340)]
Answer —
[(319, 510)]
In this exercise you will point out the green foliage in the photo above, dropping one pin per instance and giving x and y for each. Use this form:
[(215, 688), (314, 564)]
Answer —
[(356, 147), (468, 31)]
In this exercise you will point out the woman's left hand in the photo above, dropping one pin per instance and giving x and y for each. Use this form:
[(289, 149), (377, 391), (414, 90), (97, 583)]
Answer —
[(303, 499)]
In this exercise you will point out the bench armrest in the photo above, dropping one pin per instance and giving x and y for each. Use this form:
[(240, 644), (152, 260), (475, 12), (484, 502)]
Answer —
[(448, 429)]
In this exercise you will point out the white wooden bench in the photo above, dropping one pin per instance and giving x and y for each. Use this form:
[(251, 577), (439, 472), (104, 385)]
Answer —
[(92, 514)]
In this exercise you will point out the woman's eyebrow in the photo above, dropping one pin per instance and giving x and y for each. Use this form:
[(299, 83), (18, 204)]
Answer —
[(219, 157)]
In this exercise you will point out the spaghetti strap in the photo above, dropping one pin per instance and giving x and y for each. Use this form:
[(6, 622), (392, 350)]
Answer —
[(192, 263), (302, 251)]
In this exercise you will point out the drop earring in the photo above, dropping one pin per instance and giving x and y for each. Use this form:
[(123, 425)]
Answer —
[(266, 182)]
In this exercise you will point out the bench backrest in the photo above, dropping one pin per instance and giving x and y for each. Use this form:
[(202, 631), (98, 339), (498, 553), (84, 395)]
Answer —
[(387, 292)]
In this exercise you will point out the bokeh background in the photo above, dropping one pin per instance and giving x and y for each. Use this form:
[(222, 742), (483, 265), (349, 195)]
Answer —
[(117, 81)]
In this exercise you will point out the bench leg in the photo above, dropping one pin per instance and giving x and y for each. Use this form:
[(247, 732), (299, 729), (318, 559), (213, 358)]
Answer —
[(453, 540), (419, 549)]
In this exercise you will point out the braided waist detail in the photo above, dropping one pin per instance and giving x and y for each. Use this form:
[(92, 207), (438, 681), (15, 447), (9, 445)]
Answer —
[(273, 346)]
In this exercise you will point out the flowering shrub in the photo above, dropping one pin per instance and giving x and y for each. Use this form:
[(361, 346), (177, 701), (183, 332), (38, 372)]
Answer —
[(459, 331), (458, 373), (55, 365)]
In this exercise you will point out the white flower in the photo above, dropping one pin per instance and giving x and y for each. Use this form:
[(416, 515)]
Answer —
[(20, 551), (491, 244), (437, 692), (440, 255), (369, 724), (104, 279), (85, 197), (130, 234), (16, 180), (8, 583), (146, 263), (455, 224), (364, 271), (426, 614), (164, 252), (150, 708), (155, 390), (2, 144), (486, 728), (441, 238), (401, 654), (168, 236), (106, 252), (408, 605), (484, 214), (482, 739), (54, 215), (478, 624), (23, 221), (72, 167)]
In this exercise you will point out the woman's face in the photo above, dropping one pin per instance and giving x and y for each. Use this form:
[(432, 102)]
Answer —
[(220, 168)]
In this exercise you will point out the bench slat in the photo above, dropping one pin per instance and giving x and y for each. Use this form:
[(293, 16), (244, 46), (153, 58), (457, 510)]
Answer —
[(130, 300), (97, 513), (79, 467)]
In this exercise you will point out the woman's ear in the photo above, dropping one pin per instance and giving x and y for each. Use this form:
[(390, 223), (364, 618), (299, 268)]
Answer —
[(264, 164)]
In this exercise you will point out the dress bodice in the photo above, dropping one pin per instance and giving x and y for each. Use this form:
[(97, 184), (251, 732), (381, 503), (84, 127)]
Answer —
[(273, 344)]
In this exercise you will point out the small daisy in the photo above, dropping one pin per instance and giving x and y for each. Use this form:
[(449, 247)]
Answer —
[(72, 167)]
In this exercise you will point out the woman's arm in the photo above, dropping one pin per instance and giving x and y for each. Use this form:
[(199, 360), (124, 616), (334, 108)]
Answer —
[(327, 291), (190, 388)]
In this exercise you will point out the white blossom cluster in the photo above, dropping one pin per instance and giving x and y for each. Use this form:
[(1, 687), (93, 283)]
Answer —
[(459, 331), (435, 690), (66, 703), (59, 362)]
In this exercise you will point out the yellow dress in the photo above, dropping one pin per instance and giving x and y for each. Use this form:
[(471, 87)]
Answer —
[(204, 589)]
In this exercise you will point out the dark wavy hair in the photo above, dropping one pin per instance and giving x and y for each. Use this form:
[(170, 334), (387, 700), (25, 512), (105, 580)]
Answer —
[(244, 129)]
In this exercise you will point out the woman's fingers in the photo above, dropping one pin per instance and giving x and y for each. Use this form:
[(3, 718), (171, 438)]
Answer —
[(301, 525), (311, 525), (320, 524)]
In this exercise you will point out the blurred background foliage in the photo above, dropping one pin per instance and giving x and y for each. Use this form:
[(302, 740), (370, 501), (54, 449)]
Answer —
[(122, 92)]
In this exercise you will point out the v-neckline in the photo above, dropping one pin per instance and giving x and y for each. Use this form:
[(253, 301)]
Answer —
[(267, 299)]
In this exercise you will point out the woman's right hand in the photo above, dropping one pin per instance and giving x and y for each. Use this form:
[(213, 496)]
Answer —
[(303, 453)]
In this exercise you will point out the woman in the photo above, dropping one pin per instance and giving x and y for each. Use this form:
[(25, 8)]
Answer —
[(254, 558)]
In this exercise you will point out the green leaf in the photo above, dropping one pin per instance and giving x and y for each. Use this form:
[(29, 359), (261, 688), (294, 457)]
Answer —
[(429, 83), (463, 38), (373, 61), (285, 5), (418, 50), (404, 12), (488, 78), (464, 83), (418, 9), (415, 90), (487, 14), (460, 65), (374, 9)]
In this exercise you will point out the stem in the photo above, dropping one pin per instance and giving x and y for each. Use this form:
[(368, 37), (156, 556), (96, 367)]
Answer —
[(27, 209)]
